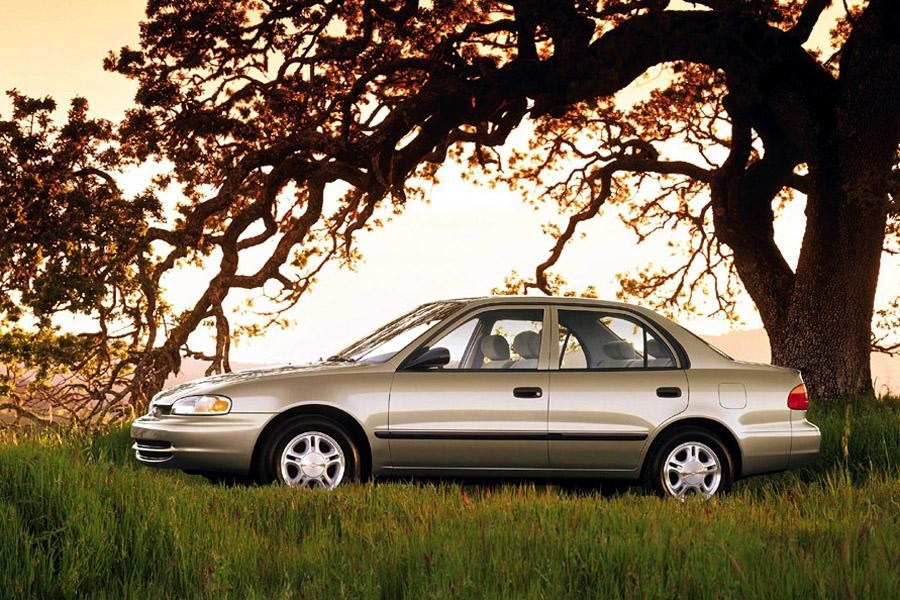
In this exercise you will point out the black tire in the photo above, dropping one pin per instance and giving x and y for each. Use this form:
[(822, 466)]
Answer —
[(655, 476), (268, 468)]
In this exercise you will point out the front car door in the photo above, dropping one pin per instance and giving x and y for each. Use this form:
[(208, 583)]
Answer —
[(487, 408), (614, 378)]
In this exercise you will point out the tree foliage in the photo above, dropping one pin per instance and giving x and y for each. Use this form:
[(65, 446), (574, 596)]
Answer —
[(291, 125), (72, 244)]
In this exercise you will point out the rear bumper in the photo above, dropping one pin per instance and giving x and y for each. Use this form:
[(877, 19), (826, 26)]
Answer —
[(805, 442), (210, 443)]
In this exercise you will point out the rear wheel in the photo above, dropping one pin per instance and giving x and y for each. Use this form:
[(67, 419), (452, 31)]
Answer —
[(691, 462), (309, 451)]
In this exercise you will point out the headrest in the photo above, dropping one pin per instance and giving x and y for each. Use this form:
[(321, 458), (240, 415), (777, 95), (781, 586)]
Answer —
[(527, 344), (495, 347), (619, 350), (657, 349)]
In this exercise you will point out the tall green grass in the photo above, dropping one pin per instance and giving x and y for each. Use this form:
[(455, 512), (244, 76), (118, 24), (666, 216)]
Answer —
[(79, 519)]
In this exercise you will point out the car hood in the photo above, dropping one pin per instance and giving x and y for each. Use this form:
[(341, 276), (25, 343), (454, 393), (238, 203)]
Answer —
[(214, 382)]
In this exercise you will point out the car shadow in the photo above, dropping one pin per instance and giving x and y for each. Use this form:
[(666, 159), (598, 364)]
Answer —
[(607, 488)]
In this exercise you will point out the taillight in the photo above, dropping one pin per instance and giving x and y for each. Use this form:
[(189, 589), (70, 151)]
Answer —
[(797, 399)]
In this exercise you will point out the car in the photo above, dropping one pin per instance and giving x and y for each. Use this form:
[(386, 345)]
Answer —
[(508, 386)]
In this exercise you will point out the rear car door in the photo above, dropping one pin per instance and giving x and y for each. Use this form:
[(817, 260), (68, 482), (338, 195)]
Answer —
[(487, 408), (614, 378)]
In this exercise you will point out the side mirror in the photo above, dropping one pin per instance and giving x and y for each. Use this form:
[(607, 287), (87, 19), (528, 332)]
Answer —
[(427, 359)]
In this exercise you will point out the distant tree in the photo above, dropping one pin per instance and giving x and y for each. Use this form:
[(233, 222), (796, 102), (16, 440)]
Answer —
[(291, 125)]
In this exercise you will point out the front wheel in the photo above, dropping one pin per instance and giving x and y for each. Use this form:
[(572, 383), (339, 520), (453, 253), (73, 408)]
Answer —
[(691, 462), (312, 452)]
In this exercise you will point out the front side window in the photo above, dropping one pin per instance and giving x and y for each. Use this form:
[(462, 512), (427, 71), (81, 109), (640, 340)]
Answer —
[(608, 341), (504, 339)]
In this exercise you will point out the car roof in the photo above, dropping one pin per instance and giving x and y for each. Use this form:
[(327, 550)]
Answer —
[(469, 303), (520, 299)]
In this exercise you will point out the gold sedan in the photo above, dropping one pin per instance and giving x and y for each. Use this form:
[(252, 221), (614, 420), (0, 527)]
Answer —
[(525, 386)]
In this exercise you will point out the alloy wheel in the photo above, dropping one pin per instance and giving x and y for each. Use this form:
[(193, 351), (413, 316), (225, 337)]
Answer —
[(692, 468), (313, 459)]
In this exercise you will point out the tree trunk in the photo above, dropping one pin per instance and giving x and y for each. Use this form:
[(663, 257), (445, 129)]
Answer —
[(826, 333)]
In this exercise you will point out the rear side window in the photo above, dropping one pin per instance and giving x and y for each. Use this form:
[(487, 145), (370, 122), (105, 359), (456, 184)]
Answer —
[(597, 340)]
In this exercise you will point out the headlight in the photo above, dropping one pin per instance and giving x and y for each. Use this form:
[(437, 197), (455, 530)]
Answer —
[(201, 405)]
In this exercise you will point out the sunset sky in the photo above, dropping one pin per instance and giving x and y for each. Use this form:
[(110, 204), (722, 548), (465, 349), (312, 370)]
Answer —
[(463, 244)]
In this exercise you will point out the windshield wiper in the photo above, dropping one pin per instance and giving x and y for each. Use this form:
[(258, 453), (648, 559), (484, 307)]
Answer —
[(339, 358)]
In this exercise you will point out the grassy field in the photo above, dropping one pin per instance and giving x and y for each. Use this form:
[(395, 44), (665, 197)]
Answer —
[(79, 519)]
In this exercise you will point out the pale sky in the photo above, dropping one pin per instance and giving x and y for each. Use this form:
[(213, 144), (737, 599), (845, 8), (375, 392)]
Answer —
[(463, 244)]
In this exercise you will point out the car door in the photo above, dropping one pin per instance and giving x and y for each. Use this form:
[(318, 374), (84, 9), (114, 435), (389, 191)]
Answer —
[(485, 409), (614, 378)]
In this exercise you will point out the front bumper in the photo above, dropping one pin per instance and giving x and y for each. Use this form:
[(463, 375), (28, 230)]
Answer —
[(221, 443)]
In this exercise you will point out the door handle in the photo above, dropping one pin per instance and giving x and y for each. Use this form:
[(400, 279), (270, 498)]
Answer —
[(528, 392), (668, 392)]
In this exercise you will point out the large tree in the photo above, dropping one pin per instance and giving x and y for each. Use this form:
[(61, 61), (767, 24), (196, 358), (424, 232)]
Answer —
[(292, 124)]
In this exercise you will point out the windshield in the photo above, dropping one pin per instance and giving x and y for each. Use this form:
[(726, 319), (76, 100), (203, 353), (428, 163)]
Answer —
[(386, 341)]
